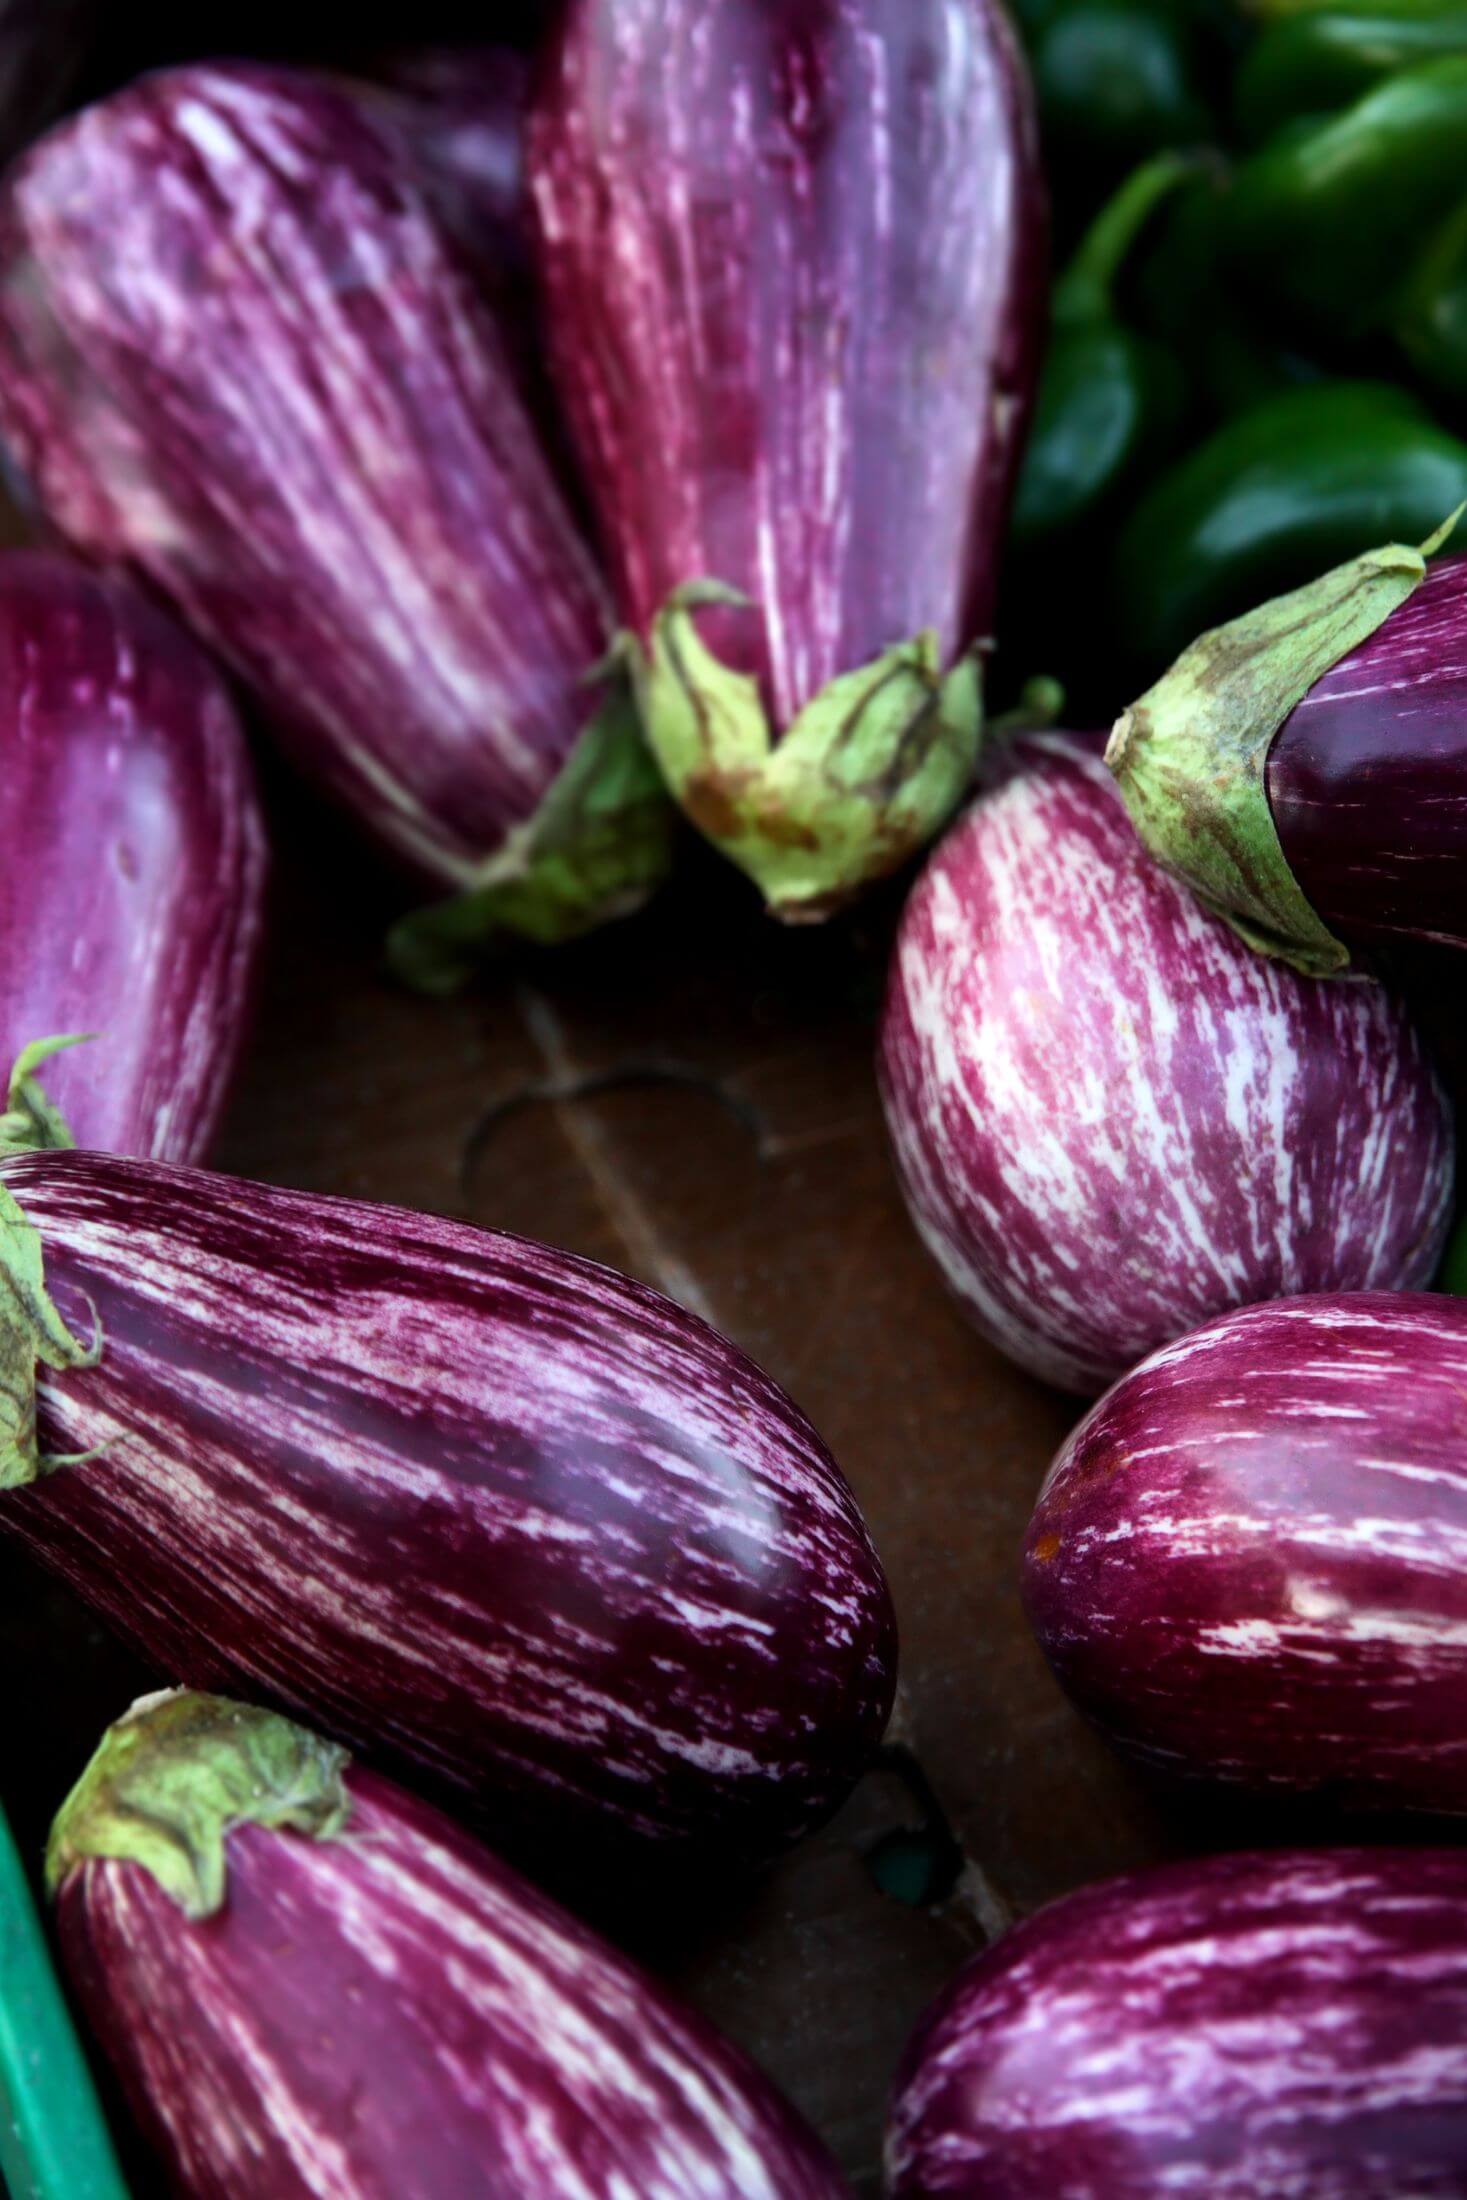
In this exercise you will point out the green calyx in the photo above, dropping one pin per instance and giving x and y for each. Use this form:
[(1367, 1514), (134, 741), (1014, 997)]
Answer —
[(32, 1333), (177, 1774), (867, 774), (1190, 757), (599, 845), (31, 1123)]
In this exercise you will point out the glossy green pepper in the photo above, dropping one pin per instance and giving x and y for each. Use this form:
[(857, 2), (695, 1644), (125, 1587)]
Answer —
[(1321, 58), (1430, 316), (1109, 398), (1182, 295), (1118, 79), (1277, 496), (1324, 218)]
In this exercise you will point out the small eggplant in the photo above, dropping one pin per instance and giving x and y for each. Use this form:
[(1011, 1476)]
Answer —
[(1274, 2027), (313, 1986), (1111, 1120), (1250, 1562), (792, 261), (131, 893), (242, 354), (478, 1506), (1304, 768)]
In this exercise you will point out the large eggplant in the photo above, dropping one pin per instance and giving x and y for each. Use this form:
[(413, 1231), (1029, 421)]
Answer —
[(469, 1503), (312, 1985), (792, 261), (1250, 1562), (1305, 768), (1113, 1121), (241, 354), (131, 892), (1280, 2027)]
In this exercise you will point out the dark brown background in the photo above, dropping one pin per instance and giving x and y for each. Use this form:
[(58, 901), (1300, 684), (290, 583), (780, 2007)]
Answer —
[(690, 1097)]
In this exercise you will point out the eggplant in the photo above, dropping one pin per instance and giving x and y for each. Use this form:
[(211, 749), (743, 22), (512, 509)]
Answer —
[(242, 355), (312, 1984), (1245, 2028), (131, 898), (41, 46), (1110, 1119), (1249, 1563), (484, 1509), (1304, 769), (792, 264)]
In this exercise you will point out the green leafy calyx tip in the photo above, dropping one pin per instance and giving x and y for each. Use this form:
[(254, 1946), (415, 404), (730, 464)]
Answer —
[(31, 1122), (177, 1774), (1190, 758), (868, 772), (32, 1334)]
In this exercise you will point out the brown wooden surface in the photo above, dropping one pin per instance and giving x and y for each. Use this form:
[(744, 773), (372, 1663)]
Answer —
[(690, 1097)]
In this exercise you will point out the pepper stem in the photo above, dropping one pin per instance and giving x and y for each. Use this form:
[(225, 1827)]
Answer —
[(1086, 289), (173, 1778), (867, 774)]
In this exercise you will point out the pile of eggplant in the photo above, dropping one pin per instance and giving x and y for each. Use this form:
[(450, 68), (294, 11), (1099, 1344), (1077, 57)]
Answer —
[(543, 451)]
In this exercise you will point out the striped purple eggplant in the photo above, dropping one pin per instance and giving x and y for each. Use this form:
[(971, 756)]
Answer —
[(242, 355), (131, 894), (1305, 768), (1279, 2027), (474, 1505), (792, 259), (1110, 1119), (41, 45), (314, 1986), (1250, 1562)]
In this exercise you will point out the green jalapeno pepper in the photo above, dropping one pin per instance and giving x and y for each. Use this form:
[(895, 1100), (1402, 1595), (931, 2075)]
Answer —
[(1118, 79), (1323, 58), (1430, 315), (1109, 399), (1323, 219), (1276, 496)]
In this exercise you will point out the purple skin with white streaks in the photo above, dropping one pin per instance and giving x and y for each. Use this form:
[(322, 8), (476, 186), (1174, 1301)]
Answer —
[(794, 263), (1111, 1119), (1250, 1562), (131, 891), (1367, 778), (478, 1507), (389, 2012), (1272, 2027), (240, 355)]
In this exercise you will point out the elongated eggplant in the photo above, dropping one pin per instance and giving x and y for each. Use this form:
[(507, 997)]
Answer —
[(1111, 1120), (1304, 769), (792, 259), (312, 1984), (469, 1503), (1250, 1562), (241, 354), (1244, 2028), (132, 889), (41, 44)]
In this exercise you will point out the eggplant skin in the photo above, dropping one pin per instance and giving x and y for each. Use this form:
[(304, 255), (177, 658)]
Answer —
[(1367, 777), (1110, 1118), (132, 891), (794, 271), (242, 355), (394, 2015), (463, 1502), (1289, 2026), (1250, 1562)]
